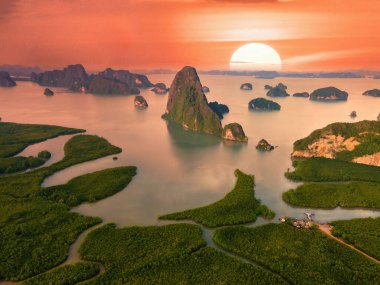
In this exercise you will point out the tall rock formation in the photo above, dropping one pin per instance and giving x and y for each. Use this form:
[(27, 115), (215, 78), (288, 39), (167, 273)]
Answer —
[(187, 105), (132, 79)]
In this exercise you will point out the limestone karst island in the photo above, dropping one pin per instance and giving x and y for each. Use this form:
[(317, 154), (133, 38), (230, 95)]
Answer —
[(191, 142)]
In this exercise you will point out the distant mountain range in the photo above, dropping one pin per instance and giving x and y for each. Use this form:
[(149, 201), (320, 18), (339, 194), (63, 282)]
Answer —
[(20, 71)]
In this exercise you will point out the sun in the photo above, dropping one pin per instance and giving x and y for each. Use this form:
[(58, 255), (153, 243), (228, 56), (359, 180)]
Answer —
[(254, 57)]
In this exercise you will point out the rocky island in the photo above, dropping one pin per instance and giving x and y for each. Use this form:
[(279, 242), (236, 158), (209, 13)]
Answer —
[(48, 92), (140, 102), (277, 91), (264, 145), (205, 89), (234, 132), (301, 95), (373, 93), (246, 86), (329, 94), (262, 104), (6, 80), (73, 77), (187, 105), (109, 81), (219, 109), (160, 88)]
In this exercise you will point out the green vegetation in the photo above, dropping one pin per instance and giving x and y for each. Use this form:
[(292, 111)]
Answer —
[(15, 137), (64, 275), (175, 254), (356, 185), (237, 207), (19, 163), (346, 130), (362, 233), (90, 187), (45, 155), (319, 169), (35, 233), (332, 195), (302, 256), (263, 104)]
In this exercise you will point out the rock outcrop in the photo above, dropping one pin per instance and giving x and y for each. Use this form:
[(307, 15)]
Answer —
[(48, 92), (353, 114), (277, 91), (328, 94), (372, 159), (234, 132), (246, 86), (101, 85), (219, 109), (73, 77), (6, 80), (132, 79), (160, 88), (205, 89), (373, 93), (301, 95), (264, 145), (187, 105), (140, 102), (262, 104)]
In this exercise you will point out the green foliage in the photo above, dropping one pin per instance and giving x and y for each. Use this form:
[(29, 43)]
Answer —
[(237, 207), (263, 104), (331, 195), (90, 187), (19, 163), (319, 169), (45, 155), (369, 144), (175, 254), (65, 275), (15, 137), (302, 256), (35, 233), (346, 130), (362, 233)]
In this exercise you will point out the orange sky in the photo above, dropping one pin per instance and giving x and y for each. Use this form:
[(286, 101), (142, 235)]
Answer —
[(317, 35)]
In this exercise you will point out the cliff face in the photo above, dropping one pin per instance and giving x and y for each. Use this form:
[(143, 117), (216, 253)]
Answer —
[(132, 79), (6, 80), (329, 94), (73, 77), (187, 105)]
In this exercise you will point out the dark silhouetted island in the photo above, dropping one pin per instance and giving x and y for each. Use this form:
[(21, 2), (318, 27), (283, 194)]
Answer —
[(353, 114), (234, 132), (264, 145), (140, 102), (246, 86), (277, 91), (48, 92), (132, 79), (329, 94), (101, 85), (6, 80), (301, 95), (373, 93), (205, 89), (219, 109), (73, 77), (160, 88), (262, 104)]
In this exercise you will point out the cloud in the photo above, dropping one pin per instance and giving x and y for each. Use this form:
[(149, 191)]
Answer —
[(321, 56), (7, 8)]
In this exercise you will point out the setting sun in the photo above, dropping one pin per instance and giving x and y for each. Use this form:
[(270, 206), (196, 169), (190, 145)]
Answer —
[(255, 56)]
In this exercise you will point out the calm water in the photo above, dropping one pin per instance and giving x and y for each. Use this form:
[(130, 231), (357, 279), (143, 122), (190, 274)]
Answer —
[(179, 170)]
